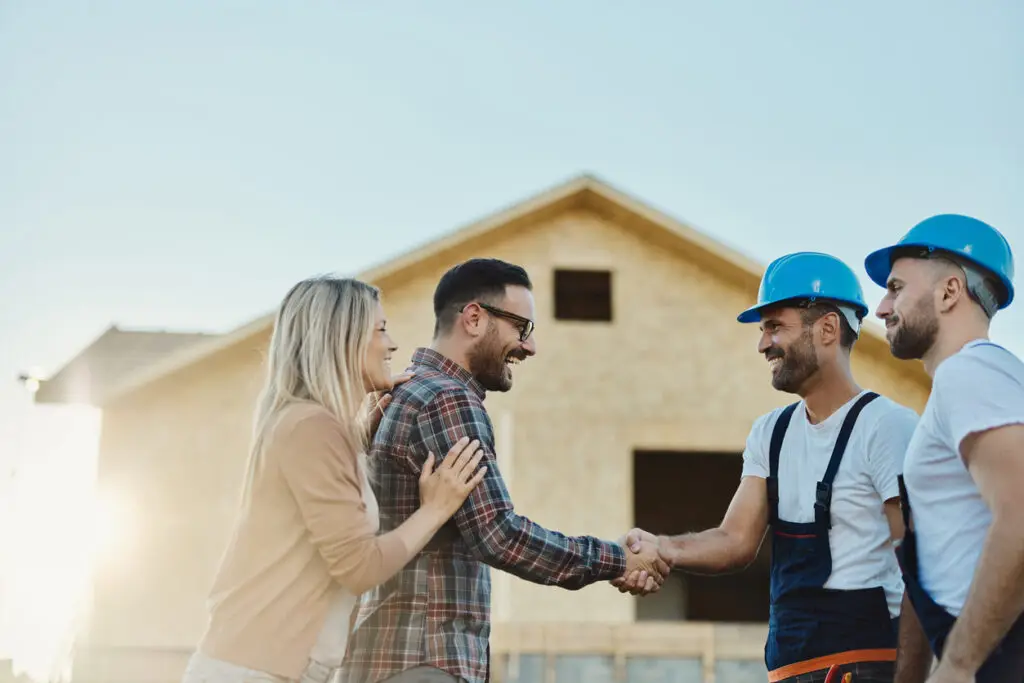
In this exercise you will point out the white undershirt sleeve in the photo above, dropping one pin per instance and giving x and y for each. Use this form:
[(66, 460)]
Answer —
[(755, 455), (887, 448), (976, 392)]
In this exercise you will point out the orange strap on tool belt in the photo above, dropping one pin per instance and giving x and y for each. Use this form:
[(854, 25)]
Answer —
[(838, 659)]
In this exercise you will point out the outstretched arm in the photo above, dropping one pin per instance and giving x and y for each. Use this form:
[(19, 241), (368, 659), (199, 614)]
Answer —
[(505, 540), (731, 546)]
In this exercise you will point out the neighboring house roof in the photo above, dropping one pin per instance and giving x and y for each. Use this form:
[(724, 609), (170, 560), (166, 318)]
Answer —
[(584, 192), (111, 358)]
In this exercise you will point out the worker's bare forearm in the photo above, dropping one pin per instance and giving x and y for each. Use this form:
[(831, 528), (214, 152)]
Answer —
[(714, 551), (996, 597), (915, 654), (733, 544)]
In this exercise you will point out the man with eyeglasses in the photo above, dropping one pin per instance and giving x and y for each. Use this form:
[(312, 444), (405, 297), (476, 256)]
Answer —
[(431, 622)]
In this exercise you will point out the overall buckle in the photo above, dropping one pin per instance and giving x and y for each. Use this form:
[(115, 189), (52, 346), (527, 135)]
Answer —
[(823, 503)]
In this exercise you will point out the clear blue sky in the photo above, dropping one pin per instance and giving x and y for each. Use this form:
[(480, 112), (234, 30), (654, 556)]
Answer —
[(178, 165)]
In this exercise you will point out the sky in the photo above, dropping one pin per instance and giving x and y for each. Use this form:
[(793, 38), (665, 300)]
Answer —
[(178, 165)]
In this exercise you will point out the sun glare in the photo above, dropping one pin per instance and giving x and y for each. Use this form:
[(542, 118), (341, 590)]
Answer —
[(56, 532), (109, 529)]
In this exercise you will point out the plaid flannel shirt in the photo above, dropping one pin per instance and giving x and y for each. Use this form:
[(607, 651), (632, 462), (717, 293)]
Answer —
[(436, 610)]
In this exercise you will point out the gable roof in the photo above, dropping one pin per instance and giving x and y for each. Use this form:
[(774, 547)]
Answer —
[(584, 192), (111, 358)]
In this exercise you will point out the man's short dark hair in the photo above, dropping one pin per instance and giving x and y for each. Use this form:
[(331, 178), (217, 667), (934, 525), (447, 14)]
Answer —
[(479, 279), (812, 313)]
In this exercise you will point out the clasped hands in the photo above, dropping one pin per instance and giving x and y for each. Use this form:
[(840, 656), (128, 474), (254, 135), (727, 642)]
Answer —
[(646, 567)]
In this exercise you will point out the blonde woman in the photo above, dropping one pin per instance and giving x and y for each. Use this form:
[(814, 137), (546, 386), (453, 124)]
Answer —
[(305, 544)]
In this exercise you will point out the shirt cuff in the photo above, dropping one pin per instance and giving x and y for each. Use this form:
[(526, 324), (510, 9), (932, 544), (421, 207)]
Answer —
[(611, 561)]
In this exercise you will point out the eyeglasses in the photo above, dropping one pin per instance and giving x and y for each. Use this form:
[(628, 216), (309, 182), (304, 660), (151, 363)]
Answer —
[(525, 324)]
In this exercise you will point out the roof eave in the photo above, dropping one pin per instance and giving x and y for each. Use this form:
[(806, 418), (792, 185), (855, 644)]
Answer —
[(186, 357)]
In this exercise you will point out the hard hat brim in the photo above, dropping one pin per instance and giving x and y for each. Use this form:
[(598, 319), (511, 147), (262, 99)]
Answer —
[(753, 314), (878, 265)]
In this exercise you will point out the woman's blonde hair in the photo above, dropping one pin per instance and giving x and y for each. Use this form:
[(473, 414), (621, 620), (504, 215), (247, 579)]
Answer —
[(317, 354)]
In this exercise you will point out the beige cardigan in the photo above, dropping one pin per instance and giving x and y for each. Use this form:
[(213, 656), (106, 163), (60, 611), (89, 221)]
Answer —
[(305, 525)]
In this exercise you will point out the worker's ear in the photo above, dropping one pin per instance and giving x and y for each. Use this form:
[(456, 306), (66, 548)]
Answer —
[(953, 289)]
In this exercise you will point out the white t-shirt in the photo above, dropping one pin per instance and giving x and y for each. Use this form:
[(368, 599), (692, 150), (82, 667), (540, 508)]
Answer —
[(860, 540), (978, 388)]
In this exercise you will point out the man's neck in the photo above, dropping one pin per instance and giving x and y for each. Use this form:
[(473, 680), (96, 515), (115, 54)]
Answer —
[(827, 392), (446, 348), (951, 340)]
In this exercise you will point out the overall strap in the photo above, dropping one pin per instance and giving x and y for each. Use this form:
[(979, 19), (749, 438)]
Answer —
[(774, 448), (823, 494), (904, 501)]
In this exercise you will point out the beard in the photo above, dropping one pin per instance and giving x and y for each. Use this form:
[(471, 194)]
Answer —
[(487, 362), (911, 337), (799, 363)]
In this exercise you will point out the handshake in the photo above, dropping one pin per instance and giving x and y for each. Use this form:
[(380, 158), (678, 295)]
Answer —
[(647, 564)]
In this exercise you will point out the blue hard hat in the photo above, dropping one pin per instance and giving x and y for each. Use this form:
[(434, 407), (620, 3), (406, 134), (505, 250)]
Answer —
[(967, 238), (807, 275)]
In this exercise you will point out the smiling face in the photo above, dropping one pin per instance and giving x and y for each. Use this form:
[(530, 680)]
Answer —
[(909, 308), (377, 362), (787, 343), (495, 352)]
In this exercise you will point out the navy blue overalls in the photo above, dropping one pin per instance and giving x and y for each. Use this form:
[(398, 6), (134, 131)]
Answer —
[(808, 622), (1005, 664)]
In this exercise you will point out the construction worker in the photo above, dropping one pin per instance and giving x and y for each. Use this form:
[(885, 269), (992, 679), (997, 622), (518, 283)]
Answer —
[(822, 474), (963, 483)]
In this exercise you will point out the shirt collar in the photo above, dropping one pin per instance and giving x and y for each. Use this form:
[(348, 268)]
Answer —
[(444, 364)]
